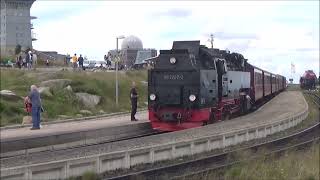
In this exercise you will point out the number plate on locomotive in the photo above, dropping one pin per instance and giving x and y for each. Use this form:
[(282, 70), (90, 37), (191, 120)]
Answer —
[(173, 77)]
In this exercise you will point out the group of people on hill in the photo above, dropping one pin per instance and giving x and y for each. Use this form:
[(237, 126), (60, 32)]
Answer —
[(28, 60), (77, 61)]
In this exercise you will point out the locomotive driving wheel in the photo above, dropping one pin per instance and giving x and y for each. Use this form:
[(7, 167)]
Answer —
[(226, 116), (211, 118)]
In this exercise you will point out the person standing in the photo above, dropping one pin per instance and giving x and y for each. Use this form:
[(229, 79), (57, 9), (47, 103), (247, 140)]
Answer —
[(19, 61), (134, 101), (74, 61), (106, 60), (80, 60), (34, 59), (28, 60), (47, 62), (67, 59), (34, 97)]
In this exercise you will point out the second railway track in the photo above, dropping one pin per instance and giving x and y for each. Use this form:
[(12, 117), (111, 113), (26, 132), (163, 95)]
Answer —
[(225, 159), (314, 95)]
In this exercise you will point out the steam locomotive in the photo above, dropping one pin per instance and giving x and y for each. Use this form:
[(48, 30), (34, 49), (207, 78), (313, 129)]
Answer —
[(192, 85), (308, 80)]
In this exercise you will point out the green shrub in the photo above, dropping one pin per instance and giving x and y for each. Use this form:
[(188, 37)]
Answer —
[(89, 176)]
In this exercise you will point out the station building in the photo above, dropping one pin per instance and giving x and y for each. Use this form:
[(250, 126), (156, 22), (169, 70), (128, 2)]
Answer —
[(16, 26)]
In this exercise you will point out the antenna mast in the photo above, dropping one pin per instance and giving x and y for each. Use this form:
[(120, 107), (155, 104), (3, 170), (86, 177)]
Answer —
[(211, 40)]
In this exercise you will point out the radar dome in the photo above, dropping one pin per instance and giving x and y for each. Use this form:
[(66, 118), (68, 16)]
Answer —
[(131, 42)]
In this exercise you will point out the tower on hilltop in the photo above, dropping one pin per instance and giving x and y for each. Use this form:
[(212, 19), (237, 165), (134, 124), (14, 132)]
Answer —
[(16, 26)]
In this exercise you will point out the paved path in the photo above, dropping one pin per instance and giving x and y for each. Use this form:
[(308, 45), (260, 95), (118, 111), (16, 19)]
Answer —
[(74, 126)]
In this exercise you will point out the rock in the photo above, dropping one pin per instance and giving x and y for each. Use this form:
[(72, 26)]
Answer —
[(26, 120), (63, 116), (101, 111), (9, 95), (79, 115), (85, 112), (45, 91), (68, 88), (56, 83), (144, 83), (88, 100)]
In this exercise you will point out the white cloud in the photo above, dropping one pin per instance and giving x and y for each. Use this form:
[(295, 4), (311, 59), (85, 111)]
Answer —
[(278, 33)]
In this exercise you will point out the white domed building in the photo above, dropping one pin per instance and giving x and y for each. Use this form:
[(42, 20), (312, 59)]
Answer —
[(132, 53), (131, 42)]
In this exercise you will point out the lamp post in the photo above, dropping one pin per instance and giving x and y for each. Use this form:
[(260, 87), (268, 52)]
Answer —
[(117, 65)]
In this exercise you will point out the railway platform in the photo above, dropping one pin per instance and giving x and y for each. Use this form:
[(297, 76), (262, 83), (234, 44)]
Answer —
[(73, 126), (76, 132)]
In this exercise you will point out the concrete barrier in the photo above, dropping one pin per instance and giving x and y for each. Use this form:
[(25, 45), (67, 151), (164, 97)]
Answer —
[(125, 159)]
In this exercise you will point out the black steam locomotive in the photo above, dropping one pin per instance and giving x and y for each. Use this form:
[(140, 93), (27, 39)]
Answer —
[(192, 85)]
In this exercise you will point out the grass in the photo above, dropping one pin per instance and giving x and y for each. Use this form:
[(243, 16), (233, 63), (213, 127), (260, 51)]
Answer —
[(89, 175), (64, 102), (293, 165)]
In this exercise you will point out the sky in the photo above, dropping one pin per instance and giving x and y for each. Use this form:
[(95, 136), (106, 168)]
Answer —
[(270, 34)]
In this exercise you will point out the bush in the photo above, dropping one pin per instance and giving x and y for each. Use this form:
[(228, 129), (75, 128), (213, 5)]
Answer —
[(89, 176)]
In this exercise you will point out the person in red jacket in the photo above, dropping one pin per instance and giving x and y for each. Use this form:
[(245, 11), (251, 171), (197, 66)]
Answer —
[(28, 105)]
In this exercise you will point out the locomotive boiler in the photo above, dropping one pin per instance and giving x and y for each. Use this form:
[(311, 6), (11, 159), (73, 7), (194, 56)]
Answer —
[(192, 85)]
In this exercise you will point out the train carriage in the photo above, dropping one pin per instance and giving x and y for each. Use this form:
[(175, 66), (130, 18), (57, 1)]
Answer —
[(258, 84), (266, 83), (276, 83), (273, 84)]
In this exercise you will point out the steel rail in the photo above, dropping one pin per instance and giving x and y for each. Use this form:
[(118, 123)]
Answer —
[(314, 97), (152, 132)]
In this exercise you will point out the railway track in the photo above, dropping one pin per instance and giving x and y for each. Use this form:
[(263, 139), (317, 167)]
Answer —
[(4, 158), (314, 95), (225, 159)]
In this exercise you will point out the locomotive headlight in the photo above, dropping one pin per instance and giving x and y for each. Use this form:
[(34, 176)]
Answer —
[(173, 60), (192, 97), (152, 97)]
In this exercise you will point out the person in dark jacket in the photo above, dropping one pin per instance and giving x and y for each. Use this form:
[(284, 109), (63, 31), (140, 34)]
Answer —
[(19, 61), (134, 101), (34, 97), (28, 59), (80, 60)]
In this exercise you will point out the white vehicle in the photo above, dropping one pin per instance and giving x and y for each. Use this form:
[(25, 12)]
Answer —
[(99, 63), (88, 63)]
